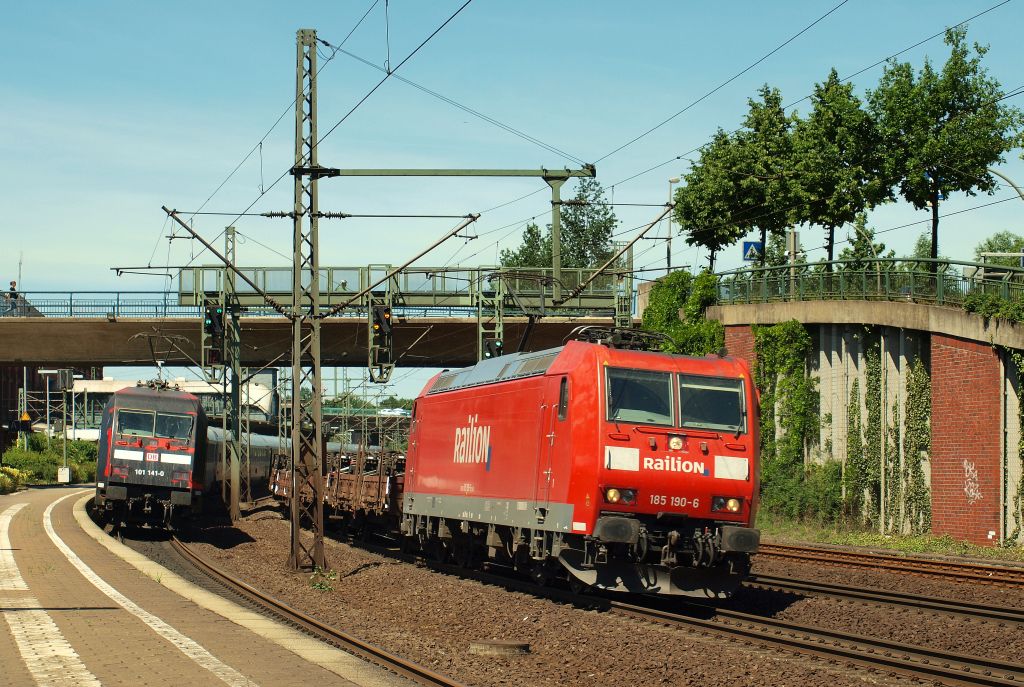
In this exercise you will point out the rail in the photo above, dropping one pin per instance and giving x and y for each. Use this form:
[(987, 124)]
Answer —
[(920, 280)]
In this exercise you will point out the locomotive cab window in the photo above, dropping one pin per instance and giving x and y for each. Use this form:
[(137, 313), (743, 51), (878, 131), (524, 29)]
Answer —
[(173, 426), (563, 399), (135, 423), (712, 403), (639, 396)]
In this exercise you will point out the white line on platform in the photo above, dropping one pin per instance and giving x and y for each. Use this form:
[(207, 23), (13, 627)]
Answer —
[(186, 645), (48, 656), (10, 577)]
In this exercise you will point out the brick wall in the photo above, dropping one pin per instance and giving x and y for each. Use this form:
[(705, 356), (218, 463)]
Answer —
[(739, 342), (966, 439)]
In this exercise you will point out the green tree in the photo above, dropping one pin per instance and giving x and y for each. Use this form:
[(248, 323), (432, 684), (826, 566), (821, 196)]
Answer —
[(776, 255), (587, 224), (862, 246), (705, 202), (534, 250), (765, 167), (940, 131), (1000, 242), (837, 160)]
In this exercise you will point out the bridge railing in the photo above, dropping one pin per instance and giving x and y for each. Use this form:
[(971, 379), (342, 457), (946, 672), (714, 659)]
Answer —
[(428, 287), (923, 280), (159, 305)]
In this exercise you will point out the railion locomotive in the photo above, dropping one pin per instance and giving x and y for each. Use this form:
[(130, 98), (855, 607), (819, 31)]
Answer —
[(614, 469)]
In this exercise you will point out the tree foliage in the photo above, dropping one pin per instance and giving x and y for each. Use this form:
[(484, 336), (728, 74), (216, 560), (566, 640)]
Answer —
[(837, 159), (587, 224), (862, 246), (1000, 242), (941, 130), (766, 171), (681, 292), (705, 203)]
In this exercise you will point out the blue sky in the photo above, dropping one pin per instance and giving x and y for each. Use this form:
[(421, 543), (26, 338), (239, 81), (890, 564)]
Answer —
[(114, 108)]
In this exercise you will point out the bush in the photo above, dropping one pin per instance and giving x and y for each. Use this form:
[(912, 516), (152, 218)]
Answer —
[(6, 484), (17, 478), (39, 464)]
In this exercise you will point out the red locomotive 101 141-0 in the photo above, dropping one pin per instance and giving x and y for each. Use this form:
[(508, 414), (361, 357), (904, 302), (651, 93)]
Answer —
[(612, 468)]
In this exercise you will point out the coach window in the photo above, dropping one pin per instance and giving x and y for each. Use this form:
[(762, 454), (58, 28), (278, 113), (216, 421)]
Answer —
[(563, 399), (639, 396), (135, 423)]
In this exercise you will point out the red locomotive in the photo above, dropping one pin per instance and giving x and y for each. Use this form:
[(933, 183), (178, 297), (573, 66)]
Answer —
[(612, 468)]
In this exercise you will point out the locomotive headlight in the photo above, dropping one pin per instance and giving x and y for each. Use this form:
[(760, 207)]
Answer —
[(616, 495), (723, 503), (675, 443)]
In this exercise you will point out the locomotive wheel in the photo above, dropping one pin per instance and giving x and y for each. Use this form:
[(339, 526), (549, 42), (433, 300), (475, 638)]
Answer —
[(577, 586), (440, 552), (540, 573), (407, 544)]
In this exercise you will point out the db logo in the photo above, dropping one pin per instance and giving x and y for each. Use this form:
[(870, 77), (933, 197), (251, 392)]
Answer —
[(152, 457)]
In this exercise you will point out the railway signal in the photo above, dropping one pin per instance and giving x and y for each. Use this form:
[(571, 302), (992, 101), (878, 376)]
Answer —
[(213, 333), (382, 320), (492, 348)]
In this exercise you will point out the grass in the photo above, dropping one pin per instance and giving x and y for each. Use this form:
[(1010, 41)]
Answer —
[(779, 529)]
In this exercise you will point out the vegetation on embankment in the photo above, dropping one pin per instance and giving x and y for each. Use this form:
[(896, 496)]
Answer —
[(778, 529), (38, 464)]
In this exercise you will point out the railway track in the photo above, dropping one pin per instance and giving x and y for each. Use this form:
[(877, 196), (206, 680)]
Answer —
[(975, 572), (928, 603), (867, 652), (396, 664), (874, 654)]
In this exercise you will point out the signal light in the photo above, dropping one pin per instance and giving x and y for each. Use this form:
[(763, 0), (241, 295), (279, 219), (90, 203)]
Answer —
[(492, 348), (381, 319)]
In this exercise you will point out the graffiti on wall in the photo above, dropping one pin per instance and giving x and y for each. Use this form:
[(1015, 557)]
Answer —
[(972, 489)]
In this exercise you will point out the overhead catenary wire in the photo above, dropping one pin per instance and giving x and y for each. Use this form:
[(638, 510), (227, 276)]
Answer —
[(355, 107), (724, 83)]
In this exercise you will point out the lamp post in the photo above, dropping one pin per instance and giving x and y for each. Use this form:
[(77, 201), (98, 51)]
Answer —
[(668, 243)]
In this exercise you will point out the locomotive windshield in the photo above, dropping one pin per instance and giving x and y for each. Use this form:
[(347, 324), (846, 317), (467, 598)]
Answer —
[(641, 396), (135, 423), (711, 403), (173, 426), (141, 423)]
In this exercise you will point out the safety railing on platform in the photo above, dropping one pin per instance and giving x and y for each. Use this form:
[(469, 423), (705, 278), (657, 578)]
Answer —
[(920, 280)]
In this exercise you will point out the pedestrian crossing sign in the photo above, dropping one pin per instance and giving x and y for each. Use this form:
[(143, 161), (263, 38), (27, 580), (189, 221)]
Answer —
[(752, 250)]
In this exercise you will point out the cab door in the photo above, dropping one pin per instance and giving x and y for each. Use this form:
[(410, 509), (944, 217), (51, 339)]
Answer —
[(554, 446)]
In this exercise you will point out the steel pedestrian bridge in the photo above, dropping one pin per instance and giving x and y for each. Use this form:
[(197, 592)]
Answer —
[(439, 316)]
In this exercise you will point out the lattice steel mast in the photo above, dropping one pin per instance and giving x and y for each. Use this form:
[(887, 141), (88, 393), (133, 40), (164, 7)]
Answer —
[(307, 430)]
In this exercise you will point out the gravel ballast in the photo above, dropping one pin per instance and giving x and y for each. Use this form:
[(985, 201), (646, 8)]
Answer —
[(432, 618)]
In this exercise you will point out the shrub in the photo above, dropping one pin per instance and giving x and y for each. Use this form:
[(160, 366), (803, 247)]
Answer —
[(6, 484)]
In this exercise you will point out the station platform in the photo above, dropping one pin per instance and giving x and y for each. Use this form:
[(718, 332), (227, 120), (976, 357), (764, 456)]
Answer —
[(77, 613)]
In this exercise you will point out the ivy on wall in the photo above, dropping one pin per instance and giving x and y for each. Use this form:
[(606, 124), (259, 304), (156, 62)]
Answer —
[(855, 474), (917, 441), (681, 291), (789, 413)]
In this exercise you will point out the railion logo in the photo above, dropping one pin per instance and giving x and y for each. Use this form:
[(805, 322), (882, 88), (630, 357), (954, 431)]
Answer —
[(674, 464), (473, 442)]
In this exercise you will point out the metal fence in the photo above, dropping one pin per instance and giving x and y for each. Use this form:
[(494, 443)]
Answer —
[(921, 280)]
